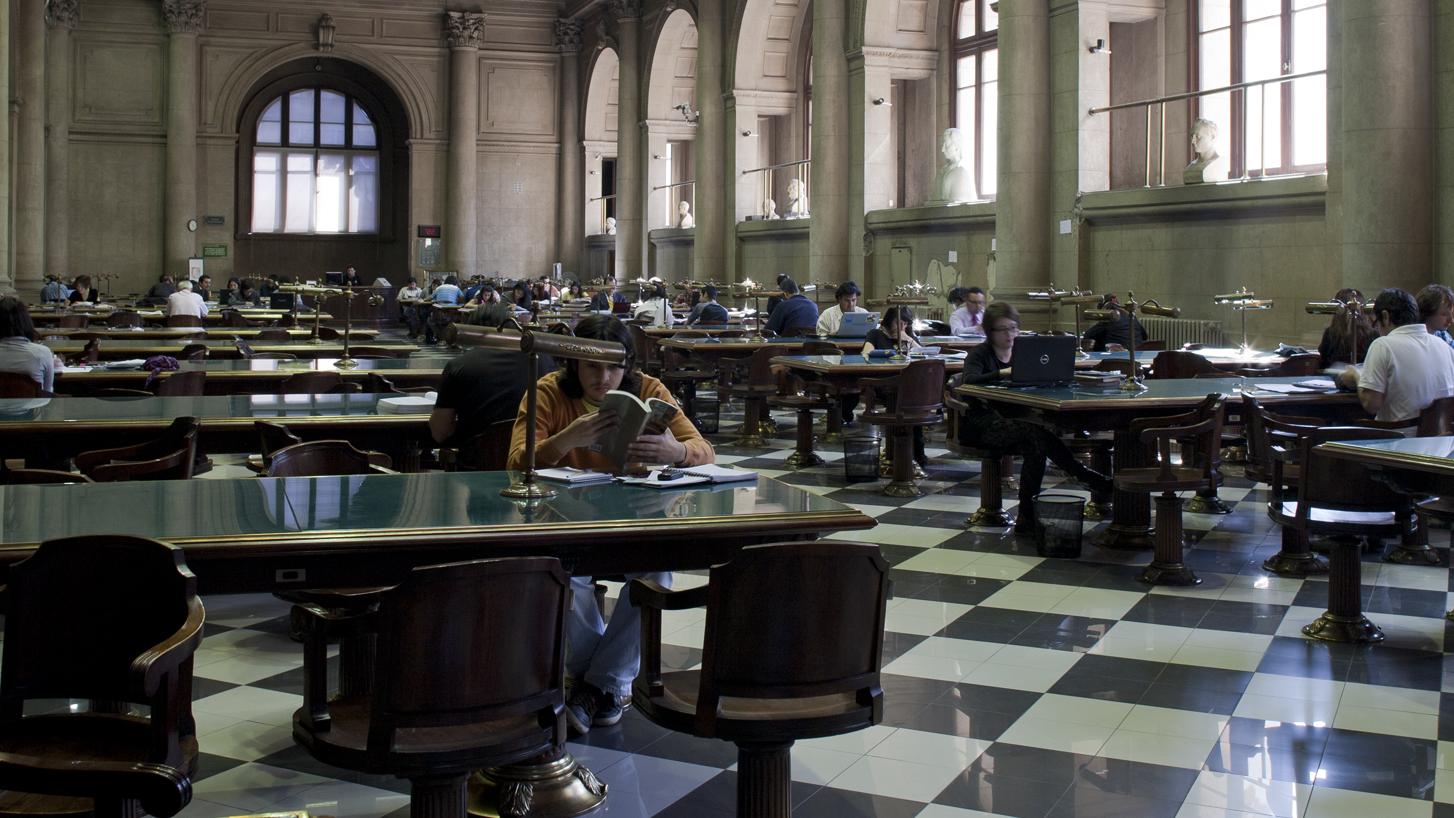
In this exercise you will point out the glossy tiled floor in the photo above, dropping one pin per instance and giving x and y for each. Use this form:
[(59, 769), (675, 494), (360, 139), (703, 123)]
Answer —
[(1013, 685)]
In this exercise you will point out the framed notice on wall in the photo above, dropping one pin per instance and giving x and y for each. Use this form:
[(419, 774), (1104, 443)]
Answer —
[(431, 253), (214, 251)]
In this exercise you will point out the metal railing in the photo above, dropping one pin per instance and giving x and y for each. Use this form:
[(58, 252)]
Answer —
[(1160, 104), (603, 200), (671, 220), (802, 174)]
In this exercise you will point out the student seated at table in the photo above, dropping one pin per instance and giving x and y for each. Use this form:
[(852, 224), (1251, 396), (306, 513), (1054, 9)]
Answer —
[(983, 428), (708, 311), (447, 294), (203, 287), (1436, 310), (1407, 368), (796, 314), (894, 331), (247, 295), (227, 297), (480, 387), (1114, 334), (655, 308), (968, 318), (1340, 339), (186, 302), (19, 353), (84, 292), (846, 297), (159, 291), (601, 657), (574, 292)]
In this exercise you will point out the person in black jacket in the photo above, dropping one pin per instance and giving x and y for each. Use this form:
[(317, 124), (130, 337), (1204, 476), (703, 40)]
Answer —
[(984, 428), (1115, 333)]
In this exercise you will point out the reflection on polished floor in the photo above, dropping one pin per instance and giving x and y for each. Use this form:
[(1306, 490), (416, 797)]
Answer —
[(1013, 685)]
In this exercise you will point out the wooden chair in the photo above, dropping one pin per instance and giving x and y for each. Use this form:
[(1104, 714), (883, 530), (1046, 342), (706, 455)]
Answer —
[(1149, 345), (19, 385), (791, 650), (271, 437), (193, 352), (487, 451), (74, 321), (243, 348), (846, 394), (124, 318), (1202, 428), (273, 334), (646, 350), (760, 382), (1294, 366), (41, 476), (184, 321), (326, 457), (328, 334), (683, 374), (804, 404), (170, 457), (917, 401), (471, 658), (992, 469), (1178, 364), (120, 392), (273, 356), (233, 318), (1351, 504), (115, 620), (311, 383), (376, 352), (183, 384)]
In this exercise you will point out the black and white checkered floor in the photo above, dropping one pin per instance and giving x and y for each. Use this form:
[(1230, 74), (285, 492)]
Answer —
[(1013, 685)]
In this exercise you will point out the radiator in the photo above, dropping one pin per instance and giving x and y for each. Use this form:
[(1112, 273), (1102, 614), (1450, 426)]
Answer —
[(1178, 331)]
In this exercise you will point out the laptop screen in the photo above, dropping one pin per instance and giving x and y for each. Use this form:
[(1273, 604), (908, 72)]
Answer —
[(1043, 359)]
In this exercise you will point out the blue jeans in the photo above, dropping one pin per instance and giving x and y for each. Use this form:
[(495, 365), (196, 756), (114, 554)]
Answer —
[(605, 654)]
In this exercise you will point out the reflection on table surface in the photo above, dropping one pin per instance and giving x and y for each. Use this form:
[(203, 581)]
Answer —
[(80, 410), (1433, 454), (1163, 390)]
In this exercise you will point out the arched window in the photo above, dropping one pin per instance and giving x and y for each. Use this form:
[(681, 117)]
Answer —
[(1273, 128), (315, 165), (976, 87)]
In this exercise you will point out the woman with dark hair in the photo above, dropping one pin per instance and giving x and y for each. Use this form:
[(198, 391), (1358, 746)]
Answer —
[(655, 306), (602, 658), (895, 329), (1342, 336), (83, 292), (19, 353), (229, 296), (520, 295), (574, 292), (984, 428)]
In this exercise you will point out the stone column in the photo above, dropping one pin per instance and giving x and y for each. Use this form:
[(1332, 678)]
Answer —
[(7, 282), (1023, 212), (570, 218), (630, 236), (829, 245), (464, 31), (185, 19), (708, 257), (63, 16), (1388, 166), (30, 147)]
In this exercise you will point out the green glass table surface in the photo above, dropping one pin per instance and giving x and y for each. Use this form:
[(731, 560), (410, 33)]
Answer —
[(93, 411), (303, 365), (832, 361), (1167, 390)]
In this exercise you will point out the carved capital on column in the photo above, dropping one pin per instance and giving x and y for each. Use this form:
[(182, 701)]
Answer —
[(567, 35), (63, 13), (464, 29), (185, 16), (626, 10)]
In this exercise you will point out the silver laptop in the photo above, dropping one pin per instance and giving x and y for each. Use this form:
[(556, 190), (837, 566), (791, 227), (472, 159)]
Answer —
[(1043, 359), (856, 324)]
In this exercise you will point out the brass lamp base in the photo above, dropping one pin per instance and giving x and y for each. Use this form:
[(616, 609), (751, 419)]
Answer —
[(521, 490), (550, 788), (1133, 385), (345, 363)]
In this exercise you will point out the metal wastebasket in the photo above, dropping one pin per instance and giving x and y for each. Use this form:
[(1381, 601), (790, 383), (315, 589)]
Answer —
[(707, 412), (1061, 530), (860, 457)]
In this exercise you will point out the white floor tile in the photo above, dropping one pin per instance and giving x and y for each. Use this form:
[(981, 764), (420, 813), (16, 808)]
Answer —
[(1296, 711), (255, 787), (858, 742), (342, 798), (1446, 755), (245, 669), (1042, 658), (1421, 577), (896, 779), (1077, 710), (1068, 737), (938, 561), (814, 765), (1149, 748), (1327, 802), (922, 617), (991, 674), (934, 749), (252, 704), (1097, 602), (998, 566), (894, 534), (1284, 799), (965, 649), (944, 502), (248, 740), (652, 784), (942, 668), (1246, 661), (1388, 722), (1029, 596), (1169, 722)]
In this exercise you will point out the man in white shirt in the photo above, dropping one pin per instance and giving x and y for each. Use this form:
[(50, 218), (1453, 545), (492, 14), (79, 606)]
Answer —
[(1407, 368), (832, 318), (969, 318), (186, 302)]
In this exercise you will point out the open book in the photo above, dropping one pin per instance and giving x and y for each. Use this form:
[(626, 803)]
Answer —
[(634, 416)]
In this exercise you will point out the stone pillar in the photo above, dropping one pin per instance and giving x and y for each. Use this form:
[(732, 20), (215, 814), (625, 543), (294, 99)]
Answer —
[(630, 237), (63, 16), (30, 148), (7, 282), (1388, 167), (464, 31), (570, 218), (711, 213), (1023, 211), (829, 244), (185, 19)]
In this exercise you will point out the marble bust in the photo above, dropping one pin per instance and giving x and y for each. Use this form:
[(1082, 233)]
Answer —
[(955, 181), (769, 210), (1208, 166), (797, 199), (684, 212), (610, 225)]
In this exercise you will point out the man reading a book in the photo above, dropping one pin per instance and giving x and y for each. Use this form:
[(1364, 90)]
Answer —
[(602, 657)]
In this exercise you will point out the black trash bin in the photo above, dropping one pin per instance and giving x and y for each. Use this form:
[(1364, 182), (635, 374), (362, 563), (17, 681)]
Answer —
[(1060, 518), (860, 457), (707, 412)]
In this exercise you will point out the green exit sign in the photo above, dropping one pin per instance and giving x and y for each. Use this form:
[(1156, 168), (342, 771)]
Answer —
[(214, 251)]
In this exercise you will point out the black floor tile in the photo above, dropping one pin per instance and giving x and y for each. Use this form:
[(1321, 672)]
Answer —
[(630, 735), (1001, 794), (1289, 656), (1196, 700), (913, 689), (1064, 632), (1083, 801), (1178, 611), (691, 750), (297, 759), (962, 590), (1278, 736), (988, 624), (718, 798), (1402, 767), (897, 644), (831, 803), (202, 687), (997, 699), (1280, 765), (1115, 666), (210, 765), (1204, 678), (1155, 782), (963, 720), (1106, 688), (895, 554), (1398, 667), (1246, 617)]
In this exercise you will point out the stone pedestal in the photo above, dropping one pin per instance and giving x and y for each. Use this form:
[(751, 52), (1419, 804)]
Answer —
[(464, 32)]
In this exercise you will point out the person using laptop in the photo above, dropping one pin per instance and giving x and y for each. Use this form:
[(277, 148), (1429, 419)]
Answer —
[(847, 296), (796, 315), (896, 331), (984, 428)]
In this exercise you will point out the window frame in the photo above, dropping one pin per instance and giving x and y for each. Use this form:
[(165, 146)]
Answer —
[(973, 47), (1235, 136)]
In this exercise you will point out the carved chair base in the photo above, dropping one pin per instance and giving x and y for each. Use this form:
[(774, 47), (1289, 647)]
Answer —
[(1332, 628), (550, 786)]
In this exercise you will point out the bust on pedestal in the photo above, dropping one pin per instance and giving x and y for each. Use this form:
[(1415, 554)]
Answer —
[(684, 211), (1208, 166), (955, 181), (797, 199), (769, 210), (610, 225)]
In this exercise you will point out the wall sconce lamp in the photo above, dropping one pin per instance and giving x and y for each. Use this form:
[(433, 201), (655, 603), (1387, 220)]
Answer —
[(1100, 47), (882, 101), (747, 133)]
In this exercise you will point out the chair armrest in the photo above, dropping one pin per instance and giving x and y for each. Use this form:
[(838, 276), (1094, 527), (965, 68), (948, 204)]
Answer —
[(869, 388), (1140, 425), (952, 402), (86, 461), (164, 658), (162, 790), (648, 594), (1150, 434)]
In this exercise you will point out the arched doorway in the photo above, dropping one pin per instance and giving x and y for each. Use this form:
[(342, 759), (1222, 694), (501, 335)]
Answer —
[(322, 174), (770, 73)]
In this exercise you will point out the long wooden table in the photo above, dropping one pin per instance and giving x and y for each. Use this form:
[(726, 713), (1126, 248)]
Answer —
[(43, 316), (358, 336), (257, 376), (121, 350)]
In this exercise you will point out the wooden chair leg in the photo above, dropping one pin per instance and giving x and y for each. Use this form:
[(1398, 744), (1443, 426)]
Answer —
[(1007, 472), (991, 511), (902, 484), (1100, 505), (752, 423), (1168, 566), (803, 455), (1344, 620), (439, 797), (1295, 559), (764, 780), (1413, 547)]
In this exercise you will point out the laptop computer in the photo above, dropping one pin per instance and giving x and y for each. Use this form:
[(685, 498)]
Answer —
[(856, 324), (1043, 359)]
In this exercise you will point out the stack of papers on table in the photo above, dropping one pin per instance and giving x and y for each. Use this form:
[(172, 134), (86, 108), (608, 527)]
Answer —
[(1314, 385), (408, 404), (693, 475), (573, 477)]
